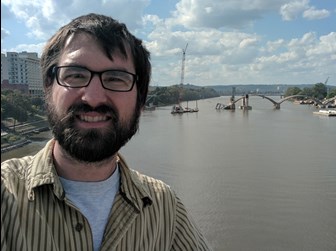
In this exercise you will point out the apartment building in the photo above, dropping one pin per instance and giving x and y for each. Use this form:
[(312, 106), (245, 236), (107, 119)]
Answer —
[(22, 68)]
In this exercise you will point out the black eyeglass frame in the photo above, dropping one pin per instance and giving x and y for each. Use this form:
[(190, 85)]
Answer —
[(99, 73)]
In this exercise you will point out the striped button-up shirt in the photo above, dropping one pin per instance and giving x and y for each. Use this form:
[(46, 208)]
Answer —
[(37, 216)]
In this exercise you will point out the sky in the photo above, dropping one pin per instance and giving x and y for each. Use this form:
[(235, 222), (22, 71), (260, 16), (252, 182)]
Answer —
[(231, 42)]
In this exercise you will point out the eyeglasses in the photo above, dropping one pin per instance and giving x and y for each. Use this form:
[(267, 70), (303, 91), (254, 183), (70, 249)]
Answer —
[(78, 77)]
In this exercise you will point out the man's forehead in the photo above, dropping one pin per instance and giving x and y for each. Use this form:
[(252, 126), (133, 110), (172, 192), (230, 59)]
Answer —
[(77, 41)]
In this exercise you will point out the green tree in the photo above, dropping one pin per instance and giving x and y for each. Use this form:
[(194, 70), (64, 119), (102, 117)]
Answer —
[(292, 91), (332, 93), (37, 102), (16, 105), (307, 91), (319, 91), (173, 94)]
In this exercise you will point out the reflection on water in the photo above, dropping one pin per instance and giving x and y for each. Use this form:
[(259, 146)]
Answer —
[(253, 180)]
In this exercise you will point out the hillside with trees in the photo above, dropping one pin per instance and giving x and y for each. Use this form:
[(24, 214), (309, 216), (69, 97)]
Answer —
[(161, 96), (319, 91)]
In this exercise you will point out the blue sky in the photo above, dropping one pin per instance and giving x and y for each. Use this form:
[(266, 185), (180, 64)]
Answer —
[(229, 42)]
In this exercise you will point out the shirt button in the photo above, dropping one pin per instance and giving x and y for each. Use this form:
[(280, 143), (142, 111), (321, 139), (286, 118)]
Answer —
[(79, 227)]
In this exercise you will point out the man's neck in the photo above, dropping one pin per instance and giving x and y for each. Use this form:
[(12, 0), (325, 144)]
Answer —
[(72, 169)]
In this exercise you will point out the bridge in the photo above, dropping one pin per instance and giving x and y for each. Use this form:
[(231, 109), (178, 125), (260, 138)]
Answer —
[(232, 104), (318, 102), (276, 104)]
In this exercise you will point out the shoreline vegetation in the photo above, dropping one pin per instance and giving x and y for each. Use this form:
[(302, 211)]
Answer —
[(14, 135)]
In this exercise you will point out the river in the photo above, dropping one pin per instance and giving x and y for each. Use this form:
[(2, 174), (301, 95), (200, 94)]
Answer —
[(253, 180)]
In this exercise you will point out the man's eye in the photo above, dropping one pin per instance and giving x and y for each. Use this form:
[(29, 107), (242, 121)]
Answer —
[(74, 75), (113, 79)]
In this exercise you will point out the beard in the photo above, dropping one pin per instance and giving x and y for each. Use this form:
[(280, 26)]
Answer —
[(92, 145)]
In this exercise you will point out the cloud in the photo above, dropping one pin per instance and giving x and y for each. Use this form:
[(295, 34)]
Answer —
[(30, 47), (312, 14), (43, 18), (247, 42), (325, 47), (272, 46), (299, 57), (222, 49), (219, 14), (294, 9), (215, 57), (4, 33)]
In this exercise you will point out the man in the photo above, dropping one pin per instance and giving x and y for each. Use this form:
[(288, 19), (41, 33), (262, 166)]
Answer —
[(78, 193)]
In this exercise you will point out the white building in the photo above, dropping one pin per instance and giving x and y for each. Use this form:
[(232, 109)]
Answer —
[(4, 67), (22, 68)]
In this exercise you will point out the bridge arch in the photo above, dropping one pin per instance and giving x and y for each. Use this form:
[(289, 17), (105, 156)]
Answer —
[(299, 95), (277, 103), (238, 100)]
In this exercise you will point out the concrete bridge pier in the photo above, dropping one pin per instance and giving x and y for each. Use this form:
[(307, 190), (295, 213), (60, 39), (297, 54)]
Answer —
[(277, 106), (245, 103)]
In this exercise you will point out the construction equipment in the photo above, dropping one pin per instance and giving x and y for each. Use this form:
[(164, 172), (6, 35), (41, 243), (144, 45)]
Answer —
[(183, 62)]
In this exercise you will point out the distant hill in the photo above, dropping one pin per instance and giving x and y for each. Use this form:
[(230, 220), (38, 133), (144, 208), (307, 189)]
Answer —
[(243, 89), (225, 90)]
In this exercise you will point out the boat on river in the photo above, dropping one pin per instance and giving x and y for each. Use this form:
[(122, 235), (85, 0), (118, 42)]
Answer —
[(326, 112), (177, 109), (188, 109)]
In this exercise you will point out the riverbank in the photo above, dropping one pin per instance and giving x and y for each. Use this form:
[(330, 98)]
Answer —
[(16, 136), (37, 142), (32, 135), (15, 145)]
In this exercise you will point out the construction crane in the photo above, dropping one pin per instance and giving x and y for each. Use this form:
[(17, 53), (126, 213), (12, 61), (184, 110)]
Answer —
[(183, 62), (325, 83)]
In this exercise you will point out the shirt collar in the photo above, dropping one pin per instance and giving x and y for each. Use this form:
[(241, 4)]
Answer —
[(42, 171), (132, 186)]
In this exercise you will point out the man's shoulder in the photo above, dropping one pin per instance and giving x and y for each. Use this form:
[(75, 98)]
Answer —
[(15, 167), (23, 165), (14, 174), (155, 190), (142, 180), (151, 182)]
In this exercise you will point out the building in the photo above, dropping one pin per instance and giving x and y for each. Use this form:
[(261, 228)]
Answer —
[(4, 68), (22, 68)]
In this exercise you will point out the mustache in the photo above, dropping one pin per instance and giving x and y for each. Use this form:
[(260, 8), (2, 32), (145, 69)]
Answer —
[(81, 107)]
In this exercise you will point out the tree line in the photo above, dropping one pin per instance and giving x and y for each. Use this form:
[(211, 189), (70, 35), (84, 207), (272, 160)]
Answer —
[(20, 106), (319, 91), (177, 93)]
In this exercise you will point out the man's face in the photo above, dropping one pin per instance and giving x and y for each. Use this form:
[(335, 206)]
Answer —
[(92, 123)]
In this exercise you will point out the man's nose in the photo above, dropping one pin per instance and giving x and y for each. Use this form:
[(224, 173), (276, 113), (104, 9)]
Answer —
[(95, 94)]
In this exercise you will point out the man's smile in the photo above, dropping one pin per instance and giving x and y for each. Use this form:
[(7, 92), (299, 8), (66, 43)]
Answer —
[(88, 118)]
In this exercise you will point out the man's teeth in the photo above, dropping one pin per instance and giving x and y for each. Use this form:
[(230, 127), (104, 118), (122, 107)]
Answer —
[(93, 119)]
